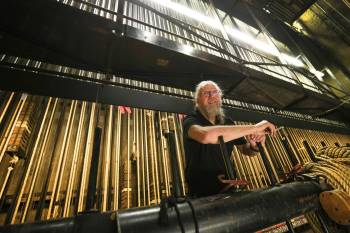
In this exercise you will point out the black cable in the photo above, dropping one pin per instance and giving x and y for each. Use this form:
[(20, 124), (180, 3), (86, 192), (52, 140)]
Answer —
[(193, 215), (173, 202)]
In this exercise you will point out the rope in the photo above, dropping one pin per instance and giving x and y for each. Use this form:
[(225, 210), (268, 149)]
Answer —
[(333, 163)]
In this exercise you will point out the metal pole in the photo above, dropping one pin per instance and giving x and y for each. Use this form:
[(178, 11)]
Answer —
[(290, 154), (309, 151), (267, 164), (90, 199), (174, 166), (231, 174)]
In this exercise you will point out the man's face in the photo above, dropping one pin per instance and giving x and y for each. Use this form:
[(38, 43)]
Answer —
[(209, 99)]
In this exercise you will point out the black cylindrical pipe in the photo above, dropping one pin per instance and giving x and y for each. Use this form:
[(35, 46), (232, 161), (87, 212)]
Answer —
[(90, 198), (235, 212), (290, 153), (230, 172), (266, 164), (177, 192), (309, 151)]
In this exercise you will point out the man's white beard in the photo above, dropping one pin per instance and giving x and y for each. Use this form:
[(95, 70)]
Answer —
[(213, 110)]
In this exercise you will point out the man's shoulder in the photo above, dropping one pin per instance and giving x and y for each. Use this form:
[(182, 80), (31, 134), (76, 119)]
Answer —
[(191, 119), (193, 115)]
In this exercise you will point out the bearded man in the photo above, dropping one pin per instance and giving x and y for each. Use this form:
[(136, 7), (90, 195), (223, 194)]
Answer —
[(201, 129)]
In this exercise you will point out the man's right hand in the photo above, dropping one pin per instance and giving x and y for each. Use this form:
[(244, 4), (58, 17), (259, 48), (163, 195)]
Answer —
[(265, 127)]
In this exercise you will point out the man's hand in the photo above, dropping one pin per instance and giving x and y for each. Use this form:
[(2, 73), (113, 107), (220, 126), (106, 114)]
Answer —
[(254, 138), (265, 127)]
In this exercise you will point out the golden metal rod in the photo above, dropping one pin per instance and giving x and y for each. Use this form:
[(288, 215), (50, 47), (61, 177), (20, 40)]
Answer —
[(61, 158), (146, 159), (27, 174), (152, 158), (256, 171), (155, 156), (238, 163), (74, 164), (163, 155), (137, 129), (8, 132), (276, 150), (87, 156), (293, 146), (250, 171), (142, 123), (285, 157), (128, 162), (107, 150), (7, 104), (40, 158), (57, 205), (117, 163), (10, 168)]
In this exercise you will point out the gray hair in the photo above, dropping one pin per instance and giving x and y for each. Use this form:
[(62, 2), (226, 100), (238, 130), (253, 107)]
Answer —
[(199, 87)]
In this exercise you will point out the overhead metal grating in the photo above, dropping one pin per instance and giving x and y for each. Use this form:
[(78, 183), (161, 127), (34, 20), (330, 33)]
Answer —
[(284, 10)]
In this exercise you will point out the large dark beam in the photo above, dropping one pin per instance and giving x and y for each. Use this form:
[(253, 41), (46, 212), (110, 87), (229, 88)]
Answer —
[(47, 84), (237, 212)]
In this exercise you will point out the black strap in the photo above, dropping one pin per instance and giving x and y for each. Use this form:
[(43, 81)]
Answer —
[(169, 202)]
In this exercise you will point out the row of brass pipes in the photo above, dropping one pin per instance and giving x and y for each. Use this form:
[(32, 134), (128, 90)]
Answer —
[(47, 175)]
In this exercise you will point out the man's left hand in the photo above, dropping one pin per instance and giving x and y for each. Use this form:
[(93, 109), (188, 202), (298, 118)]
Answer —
[(254, 138)]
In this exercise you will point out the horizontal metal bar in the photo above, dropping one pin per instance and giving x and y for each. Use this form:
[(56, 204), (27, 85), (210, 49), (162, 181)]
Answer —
[(67, 87)]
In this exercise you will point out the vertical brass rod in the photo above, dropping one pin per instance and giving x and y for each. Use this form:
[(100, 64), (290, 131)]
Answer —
[(40, 158), (239, 166), (146, 159), (155, 156), (28, 169), (137, 129), (250, 170), (60, 159), (152, 158), (7, 135), (87, 157), (163, 155), (50, 162), (128, 163), (117, 163), (10, 168), (107, 159), (142, 124), (7, 104), (74, 164)]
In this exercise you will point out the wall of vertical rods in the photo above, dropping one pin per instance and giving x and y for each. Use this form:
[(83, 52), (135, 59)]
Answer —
[(46, 147)]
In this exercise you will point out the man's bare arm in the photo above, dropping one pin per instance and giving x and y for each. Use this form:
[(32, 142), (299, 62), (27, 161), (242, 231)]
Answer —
[(210, 134)]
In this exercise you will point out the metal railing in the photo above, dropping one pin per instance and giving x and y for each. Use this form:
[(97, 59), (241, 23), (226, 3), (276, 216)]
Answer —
[(164, 22)]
